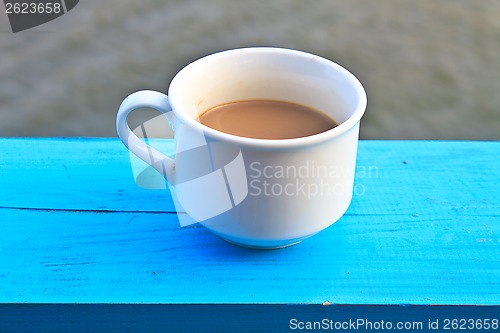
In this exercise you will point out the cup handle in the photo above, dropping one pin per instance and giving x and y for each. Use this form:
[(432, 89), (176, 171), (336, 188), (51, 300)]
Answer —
[(149, 99)]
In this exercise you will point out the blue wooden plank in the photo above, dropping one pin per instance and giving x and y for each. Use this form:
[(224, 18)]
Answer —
[(423, 228), (244, 318), (77, 173)]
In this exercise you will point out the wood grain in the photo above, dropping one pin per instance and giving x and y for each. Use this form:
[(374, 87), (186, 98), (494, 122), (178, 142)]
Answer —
[(423, 228)]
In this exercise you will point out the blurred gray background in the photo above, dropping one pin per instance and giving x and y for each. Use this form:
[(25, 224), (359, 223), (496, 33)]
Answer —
[(431, 68)]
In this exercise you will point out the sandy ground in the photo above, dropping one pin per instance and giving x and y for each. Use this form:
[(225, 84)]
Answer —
[(431, 68)]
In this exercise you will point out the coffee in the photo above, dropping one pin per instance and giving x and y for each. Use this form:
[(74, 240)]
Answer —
[(266, 119)]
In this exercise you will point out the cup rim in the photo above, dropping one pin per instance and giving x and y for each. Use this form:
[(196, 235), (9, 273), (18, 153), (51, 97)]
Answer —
[(273, 143)]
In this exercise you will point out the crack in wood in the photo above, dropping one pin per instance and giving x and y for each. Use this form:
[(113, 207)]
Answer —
[(96, 211)]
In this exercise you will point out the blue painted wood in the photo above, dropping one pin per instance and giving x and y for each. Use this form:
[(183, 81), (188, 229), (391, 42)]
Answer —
[(87, 174), (423, 228), (230, 318)]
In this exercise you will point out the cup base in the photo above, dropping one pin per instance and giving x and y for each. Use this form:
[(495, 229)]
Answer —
[(268, 245), (260, 244)]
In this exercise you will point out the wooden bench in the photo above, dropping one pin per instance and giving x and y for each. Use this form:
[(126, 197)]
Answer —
[(422, 229)]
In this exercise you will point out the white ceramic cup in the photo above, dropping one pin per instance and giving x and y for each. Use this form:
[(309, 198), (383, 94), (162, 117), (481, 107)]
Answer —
[(256, 192)]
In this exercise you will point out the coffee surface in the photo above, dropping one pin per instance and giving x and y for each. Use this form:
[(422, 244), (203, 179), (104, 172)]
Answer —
[(267, 119)]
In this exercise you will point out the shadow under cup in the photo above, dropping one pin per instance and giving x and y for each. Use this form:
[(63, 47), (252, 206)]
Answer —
[(265, 193)]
